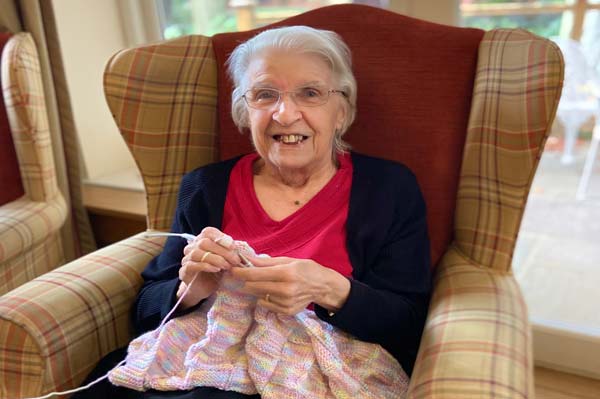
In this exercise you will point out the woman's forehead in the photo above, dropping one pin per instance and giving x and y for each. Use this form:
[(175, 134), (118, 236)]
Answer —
[(279, 67)]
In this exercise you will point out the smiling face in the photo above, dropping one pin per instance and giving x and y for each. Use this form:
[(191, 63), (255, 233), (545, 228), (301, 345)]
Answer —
[(291, 138)]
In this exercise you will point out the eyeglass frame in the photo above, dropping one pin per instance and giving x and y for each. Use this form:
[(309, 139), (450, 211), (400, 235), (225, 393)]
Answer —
[(280, 94)]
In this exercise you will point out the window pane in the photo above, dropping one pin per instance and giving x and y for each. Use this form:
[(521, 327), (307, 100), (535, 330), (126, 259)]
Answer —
[(546, 25), (183, 17), (590, 39), (492, 2)]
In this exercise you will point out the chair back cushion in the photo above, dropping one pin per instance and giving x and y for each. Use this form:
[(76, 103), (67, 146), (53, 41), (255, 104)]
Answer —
[(10, 175), (415, 82)]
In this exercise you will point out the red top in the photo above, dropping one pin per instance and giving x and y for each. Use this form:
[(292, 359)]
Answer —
[(316, 231)]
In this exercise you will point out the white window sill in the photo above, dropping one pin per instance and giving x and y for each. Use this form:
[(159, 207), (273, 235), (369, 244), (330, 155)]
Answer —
[(118, 194)]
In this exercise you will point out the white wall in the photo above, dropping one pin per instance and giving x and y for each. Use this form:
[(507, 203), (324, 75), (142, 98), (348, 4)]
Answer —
[(90, 32), (439, 11)]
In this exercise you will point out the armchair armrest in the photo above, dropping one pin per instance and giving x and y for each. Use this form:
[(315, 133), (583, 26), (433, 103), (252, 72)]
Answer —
[(25, 223), (477, 339), (54, 329)]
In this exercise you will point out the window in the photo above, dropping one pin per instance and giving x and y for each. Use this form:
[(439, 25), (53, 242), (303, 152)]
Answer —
[(183, 17), (557, 255), (565, 18)]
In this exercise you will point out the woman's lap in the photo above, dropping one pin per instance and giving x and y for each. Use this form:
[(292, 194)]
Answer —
[(104, 389)]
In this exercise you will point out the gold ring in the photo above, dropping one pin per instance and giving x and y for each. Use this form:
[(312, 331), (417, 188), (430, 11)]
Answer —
[(205, 255), (267, 297)]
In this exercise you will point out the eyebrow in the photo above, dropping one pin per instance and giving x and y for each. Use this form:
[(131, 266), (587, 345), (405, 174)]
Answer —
[(267, 85)]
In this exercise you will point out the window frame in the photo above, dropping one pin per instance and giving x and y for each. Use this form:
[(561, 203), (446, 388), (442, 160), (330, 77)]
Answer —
[(578, 8)]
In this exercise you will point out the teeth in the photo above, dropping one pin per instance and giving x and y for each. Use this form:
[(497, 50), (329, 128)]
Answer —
[(291, 138)]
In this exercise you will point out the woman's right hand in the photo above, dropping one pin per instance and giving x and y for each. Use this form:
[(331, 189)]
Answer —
[(207, 256)]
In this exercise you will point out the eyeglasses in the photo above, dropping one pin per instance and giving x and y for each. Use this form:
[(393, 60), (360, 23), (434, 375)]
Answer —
[(264, 98)]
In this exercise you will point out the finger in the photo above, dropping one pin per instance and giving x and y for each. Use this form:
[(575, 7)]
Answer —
[(206, 243), (276, 307), (190, 269), (219, 256), (181, 288), (271, 273), (272, 306), (217, 236), (209, 258), (213, 234), (260, 289), (263, 261)]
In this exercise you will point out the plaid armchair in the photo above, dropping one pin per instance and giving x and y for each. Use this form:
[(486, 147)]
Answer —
[(468, 111), (30, 240)]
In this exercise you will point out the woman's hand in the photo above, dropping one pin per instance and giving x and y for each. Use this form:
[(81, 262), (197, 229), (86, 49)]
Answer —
[(288, 285), (207, 256)]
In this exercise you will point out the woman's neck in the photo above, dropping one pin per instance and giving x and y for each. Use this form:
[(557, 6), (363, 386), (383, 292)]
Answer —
[(289, 188), (294, 179)]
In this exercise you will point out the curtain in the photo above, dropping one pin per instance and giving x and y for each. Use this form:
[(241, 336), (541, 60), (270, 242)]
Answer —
[(37, 18)]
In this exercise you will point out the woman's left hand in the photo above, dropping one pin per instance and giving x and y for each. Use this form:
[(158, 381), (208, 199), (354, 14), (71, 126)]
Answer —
[(288, 285)]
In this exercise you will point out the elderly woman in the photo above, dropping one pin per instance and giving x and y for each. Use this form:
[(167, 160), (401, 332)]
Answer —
[(346, 234)]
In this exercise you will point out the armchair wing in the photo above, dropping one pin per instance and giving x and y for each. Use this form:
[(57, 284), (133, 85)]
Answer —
[(30, 241), (477, 339)]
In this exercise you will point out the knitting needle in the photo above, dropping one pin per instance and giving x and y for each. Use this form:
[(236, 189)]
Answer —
[(245, 261), (189, 237), (186, 236)]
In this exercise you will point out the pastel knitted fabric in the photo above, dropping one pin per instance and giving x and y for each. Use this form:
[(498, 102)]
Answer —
[(232, 344)]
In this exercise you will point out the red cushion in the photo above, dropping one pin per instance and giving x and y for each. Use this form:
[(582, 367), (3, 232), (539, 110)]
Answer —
[(415, 81), (10, 176)]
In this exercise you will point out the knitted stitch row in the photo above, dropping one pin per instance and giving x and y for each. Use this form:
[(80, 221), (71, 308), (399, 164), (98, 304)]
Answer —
[(232, 344)]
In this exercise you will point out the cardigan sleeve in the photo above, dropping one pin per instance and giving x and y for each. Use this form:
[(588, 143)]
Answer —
[(389, 294), (200, 204), (161, 277)]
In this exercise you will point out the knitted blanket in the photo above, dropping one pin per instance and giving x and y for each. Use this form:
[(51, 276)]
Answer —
[(232, 344)]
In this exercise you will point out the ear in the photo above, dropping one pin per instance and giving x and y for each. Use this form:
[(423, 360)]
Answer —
[(340, 117)]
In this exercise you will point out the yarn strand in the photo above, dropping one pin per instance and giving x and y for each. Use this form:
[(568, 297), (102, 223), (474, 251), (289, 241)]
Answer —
[(162, 323)]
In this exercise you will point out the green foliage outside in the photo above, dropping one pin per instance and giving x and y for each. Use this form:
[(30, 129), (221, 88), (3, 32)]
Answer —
[(515, 1), (545, 25), (208, 17), (184, 17)]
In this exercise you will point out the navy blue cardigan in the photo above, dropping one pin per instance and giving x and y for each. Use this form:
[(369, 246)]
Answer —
[(387, 242)]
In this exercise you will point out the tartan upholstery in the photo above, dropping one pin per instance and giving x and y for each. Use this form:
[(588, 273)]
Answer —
[(30, 243), (477, 340), (163, 97), (54, 329), (31, 223), (10, 175), (517, 88), (23, 92)]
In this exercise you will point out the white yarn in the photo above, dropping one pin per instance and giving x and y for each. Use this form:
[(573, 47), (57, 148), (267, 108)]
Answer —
[(225, 241)]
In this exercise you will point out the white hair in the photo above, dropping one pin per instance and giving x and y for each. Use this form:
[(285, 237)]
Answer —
[(298, 39)]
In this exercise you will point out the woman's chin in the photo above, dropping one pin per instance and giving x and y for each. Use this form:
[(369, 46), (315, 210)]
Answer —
[(290, 161)]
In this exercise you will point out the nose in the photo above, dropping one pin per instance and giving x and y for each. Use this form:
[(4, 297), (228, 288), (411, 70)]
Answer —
[(286, 111)]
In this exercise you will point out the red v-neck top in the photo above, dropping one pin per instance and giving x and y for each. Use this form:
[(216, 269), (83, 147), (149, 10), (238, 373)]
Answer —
[(315, 231)]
